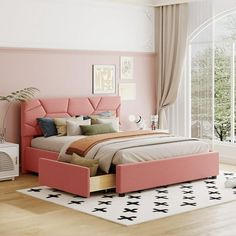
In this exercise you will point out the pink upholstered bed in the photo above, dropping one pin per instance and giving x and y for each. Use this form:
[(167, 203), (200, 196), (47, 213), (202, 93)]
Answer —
[(76, 179)]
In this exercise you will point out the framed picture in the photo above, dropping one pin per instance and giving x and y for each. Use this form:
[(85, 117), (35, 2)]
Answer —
[(104, 79), (126, 67), (127, 91)]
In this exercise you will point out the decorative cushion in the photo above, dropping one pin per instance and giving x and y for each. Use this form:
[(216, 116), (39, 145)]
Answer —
[(102, 115), (81, 161), (113, 121), (106, 114), (61, 124), (47, 126), (97, 129), (73, 126)]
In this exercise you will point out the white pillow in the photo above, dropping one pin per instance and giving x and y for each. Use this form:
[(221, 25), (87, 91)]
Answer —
[(113, 121), (73, 126)]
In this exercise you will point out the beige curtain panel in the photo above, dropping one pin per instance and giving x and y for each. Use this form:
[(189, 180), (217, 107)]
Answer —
[(171, 40)]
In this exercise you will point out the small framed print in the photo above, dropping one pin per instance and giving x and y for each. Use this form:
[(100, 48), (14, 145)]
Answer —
[(127, 91), (126, 67), (104, 79)]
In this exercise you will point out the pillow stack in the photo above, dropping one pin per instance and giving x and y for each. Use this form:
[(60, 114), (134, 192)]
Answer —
[(104, 122), (105, 118)]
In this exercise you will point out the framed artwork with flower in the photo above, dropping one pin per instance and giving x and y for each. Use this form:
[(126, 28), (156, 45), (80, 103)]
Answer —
[(126, 68)]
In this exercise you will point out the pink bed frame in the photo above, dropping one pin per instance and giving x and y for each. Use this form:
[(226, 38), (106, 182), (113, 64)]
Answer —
[(76, 179)]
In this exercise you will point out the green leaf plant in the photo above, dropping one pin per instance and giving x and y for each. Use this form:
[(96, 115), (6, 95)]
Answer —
[(22, 95)]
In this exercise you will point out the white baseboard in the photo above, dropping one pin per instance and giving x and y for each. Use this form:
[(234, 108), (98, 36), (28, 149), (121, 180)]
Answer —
[(227, 152), (228, 160)]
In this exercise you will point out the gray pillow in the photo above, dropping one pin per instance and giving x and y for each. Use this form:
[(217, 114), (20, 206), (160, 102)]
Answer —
[(47, 126)]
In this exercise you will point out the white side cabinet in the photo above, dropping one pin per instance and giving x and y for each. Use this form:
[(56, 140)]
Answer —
[(9, 161)]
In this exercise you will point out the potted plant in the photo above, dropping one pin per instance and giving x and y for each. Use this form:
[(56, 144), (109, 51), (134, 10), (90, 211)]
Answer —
[(16, 96)]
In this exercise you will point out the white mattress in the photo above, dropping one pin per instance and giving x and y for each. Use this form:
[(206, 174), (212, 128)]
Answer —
[(53, 143)]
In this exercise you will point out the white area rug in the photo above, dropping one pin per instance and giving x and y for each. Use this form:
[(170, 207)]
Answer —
[(141, 206)]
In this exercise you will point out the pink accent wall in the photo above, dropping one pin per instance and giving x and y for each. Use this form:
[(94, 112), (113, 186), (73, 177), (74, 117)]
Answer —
[(65, 73)]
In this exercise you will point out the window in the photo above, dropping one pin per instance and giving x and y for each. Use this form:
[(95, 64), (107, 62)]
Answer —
[(213, 69)]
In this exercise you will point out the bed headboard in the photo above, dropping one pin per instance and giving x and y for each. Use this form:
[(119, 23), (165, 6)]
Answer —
[(58, 107), (63, 107)]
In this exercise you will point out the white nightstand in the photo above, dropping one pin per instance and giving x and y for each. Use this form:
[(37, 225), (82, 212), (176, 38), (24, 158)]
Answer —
[(9, 161)]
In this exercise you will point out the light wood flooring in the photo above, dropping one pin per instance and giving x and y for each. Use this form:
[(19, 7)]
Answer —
[(21, 215)]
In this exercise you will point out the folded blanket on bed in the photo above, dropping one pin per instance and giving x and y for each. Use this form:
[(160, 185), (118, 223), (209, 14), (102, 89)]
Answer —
[(82, 146)]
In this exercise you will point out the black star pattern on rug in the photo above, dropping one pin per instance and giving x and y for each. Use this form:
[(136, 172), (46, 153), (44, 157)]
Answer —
[(189, 204), (35, 190), (162, 191), (189, 198), (132, 203), (134, 197), (209, 181), (161, 204), (187, 192), (210, 187), (104, 202), (76, 202), (108, 196), (160, 210), (53, 195), (229, 174), (186, 186), (213, 192), (104, 209), (134, 210), (130, 218), (215, 198), (161, 197)]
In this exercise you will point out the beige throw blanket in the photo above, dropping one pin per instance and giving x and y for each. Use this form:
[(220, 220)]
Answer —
[(82, 146)]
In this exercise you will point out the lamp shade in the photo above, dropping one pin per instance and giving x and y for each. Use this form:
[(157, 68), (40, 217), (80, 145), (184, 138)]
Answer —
[(135, 118), (132, 118), (138, 120)]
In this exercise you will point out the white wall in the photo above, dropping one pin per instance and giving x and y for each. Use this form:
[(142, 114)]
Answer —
[(76, 24)]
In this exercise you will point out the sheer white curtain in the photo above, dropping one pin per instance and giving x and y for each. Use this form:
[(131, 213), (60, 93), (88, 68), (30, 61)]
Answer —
[(192, 113)]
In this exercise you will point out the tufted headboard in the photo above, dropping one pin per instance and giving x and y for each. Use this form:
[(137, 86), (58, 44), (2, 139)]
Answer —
[(58, 107)]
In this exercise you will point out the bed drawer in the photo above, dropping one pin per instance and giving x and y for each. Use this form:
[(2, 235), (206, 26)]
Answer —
[(72, 178), (102, 182)]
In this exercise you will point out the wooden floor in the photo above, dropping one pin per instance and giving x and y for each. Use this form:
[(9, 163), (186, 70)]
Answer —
[(21, 215)]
